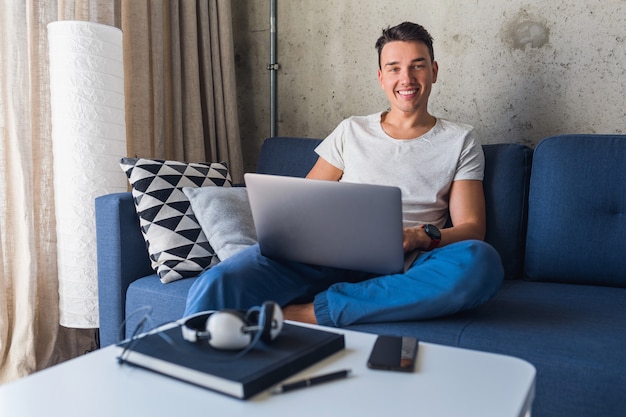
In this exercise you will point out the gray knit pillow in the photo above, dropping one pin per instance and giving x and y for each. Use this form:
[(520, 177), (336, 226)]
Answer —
[(225, 217)]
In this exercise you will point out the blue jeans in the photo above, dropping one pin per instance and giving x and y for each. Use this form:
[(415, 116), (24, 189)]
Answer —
[(444, 281)]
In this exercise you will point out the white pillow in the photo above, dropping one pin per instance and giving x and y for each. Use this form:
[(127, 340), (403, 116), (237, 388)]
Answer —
[(225, 217)]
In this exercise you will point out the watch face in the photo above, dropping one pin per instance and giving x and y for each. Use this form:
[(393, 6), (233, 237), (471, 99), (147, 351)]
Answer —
[(432, 232)]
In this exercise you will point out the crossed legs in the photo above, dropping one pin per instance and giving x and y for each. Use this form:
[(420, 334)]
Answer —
[(441, 282)]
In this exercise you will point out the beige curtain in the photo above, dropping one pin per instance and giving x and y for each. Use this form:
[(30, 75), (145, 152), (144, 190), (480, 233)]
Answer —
[(180, 102)]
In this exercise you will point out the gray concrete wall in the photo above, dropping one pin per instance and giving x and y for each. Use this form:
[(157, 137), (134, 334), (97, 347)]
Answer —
[(517, 70)]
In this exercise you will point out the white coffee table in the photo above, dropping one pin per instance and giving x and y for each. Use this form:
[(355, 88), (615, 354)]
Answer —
[(448, 382)]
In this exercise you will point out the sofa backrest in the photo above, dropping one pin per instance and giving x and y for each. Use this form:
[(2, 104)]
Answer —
[(292, 157), (577, 211), (506, 183), (507, 173)]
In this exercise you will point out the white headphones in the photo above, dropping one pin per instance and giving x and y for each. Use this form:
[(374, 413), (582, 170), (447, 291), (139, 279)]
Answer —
[(232, 329)]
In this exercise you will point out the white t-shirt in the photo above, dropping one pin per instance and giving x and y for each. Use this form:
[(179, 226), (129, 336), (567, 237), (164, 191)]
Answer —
[(423, 168)]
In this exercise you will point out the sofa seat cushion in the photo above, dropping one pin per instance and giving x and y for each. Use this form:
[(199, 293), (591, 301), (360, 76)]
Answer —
[(572, 333), (164, 303), (444, 331)]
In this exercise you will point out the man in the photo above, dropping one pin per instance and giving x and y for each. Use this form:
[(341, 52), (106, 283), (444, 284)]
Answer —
[(437, 164)]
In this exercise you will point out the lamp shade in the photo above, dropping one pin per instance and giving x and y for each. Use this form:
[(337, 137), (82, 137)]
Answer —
[(88, 140)]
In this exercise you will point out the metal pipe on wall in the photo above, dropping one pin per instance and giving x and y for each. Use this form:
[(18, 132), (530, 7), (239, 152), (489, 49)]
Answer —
[(273, 68)]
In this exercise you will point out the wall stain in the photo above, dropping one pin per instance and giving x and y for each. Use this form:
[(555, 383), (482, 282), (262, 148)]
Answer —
[(528, 33), (525, 31)]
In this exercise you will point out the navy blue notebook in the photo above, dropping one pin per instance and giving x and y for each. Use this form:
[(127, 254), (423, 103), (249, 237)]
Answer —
[(265, 365)]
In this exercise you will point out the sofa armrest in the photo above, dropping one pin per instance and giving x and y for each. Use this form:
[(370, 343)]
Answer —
[(122, 259)]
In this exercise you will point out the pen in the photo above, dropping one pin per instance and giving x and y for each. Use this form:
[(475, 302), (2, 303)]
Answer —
[(313, 381)]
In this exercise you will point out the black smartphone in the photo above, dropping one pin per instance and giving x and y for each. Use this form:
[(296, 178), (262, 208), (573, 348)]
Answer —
[(394, 353)]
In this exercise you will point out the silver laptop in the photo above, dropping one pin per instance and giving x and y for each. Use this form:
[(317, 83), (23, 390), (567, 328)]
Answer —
[(338, 224)]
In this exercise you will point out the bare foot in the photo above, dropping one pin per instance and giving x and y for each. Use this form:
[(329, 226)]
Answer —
[(304, 313)]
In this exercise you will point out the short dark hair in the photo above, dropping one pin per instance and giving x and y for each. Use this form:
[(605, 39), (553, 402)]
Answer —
[(406, 32)]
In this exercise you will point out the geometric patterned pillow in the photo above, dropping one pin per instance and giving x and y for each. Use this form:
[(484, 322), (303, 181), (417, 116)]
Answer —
[(177, 246)]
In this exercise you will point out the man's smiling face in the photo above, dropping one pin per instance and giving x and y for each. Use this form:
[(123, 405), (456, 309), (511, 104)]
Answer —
[(406, 75)]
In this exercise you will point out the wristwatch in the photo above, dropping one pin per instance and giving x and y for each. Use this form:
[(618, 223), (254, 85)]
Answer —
[(434, 234)]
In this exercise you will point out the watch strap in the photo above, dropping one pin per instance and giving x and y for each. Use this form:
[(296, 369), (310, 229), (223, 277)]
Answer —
[(434, 241)]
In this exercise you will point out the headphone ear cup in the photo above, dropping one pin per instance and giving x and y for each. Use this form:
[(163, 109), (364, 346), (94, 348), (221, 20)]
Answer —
[(227, 330), (194, 328), (270, 321)]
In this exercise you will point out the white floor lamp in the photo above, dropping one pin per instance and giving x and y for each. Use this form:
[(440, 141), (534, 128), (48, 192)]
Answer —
[(88, 140)]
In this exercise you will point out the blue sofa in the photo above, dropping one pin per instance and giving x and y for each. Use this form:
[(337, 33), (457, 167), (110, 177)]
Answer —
[(556, 215)]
